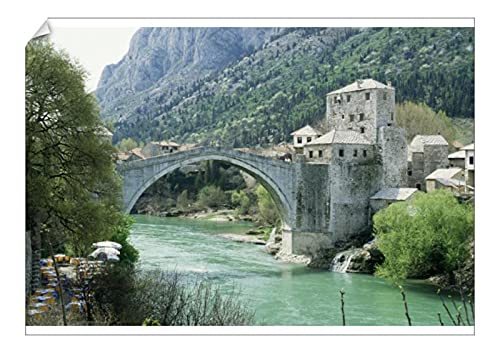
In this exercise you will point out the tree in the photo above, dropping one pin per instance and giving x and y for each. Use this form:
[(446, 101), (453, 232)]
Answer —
[(211, 197), (73, 192), (429, 235), (419, 119), (127, 144), (268, 212)]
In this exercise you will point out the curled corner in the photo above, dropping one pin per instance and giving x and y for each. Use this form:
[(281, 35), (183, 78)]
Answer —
[(43, 31)]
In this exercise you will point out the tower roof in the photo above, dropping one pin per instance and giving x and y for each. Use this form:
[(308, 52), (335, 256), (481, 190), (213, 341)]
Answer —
[(342, 137), (360, 85), (306, 131), (419, 141)]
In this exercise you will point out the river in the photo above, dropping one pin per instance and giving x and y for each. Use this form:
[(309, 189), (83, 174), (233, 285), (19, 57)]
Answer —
[(280, 293)]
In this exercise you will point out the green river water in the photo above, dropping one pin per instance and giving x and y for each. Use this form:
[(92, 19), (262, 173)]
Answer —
[(280, 293)]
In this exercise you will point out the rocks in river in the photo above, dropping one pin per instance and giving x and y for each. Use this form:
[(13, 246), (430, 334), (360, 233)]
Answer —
[(358, 260), (292, 258), (272, 248), (254, 232), (243, 239)]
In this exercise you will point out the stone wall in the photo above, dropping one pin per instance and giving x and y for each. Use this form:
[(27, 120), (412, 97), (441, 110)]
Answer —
[(325, 149), (394, 151), (351, 187)]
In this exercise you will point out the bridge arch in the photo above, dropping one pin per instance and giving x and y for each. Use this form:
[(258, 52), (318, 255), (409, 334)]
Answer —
[(152, 169)]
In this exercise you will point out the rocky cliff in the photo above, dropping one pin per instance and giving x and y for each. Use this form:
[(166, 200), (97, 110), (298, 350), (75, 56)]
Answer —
[(167, 58)]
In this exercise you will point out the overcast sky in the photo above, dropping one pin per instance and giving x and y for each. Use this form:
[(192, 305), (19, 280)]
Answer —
[(94, 47)]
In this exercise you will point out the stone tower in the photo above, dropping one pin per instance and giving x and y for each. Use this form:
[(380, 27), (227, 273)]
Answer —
[(363, 106), (368, 107)]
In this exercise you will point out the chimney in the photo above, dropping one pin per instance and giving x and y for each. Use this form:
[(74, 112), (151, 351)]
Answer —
[(359, 82), (389, 83)]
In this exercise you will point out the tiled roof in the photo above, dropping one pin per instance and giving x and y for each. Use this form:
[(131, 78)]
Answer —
[(458, 154), (419, 141), (450, 182), (343, 137), (306, 131), (360, 85), (443, 173), (166, 143), (469, 147), (138, 152), (394, 194)]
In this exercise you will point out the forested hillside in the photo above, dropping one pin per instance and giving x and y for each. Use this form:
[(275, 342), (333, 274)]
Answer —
[(281, 86)]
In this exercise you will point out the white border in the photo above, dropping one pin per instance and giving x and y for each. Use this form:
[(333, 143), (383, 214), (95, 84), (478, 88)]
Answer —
[(263, 22)]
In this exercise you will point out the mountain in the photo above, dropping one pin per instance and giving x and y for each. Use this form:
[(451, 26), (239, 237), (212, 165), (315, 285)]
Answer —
[(278, 84), (163, 59)]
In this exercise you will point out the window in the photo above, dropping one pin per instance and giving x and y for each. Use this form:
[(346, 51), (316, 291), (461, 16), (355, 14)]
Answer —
[(418, 186), (471, 160), (362, 130), (341, 153), (299, 139), (309, 138), (364, 153), (310, 154), (355, 154), (351, 117), (409, 173), (385, 96), (348, 98), (367, 96), (389, 124), (336, 99), (343, 116), (320, 153), (361, 117), (392, 116)]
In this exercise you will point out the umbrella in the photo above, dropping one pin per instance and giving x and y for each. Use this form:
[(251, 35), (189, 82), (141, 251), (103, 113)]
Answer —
[(107, 252), (107, 244)]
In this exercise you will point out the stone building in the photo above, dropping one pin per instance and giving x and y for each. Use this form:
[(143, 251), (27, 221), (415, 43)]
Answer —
[(303, 136), (388, 196), (446, 178), (469, 164), (457, 159), (426, 153), (346, 146), (363, 106), (363, 153), (155, 148)]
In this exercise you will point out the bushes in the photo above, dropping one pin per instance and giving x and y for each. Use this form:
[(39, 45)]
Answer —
[(167, 298), (241, 201), (211, 197), (268, 212), (429, 235)]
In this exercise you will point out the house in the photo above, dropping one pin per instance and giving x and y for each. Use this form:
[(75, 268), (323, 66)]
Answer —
[(446, 178), (387, 196), (342, 145), (426, 153), (469, 164), (155, 148), (132, 155), (457, 159), (303, 136)]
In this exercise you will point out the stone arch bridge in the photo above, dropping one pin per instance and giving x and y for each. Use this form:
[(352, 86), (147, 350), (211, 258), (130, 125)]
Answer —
[(319, 203)]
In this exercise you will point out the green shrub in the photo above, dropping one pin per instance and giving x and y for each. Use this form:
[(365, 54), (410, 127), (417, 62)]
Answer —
[(268, 212), (428, 235), (211, 197)]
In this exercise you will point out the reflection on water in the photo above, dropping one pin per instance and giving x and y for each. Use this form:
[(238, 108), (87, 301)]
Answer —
[(280, 293)]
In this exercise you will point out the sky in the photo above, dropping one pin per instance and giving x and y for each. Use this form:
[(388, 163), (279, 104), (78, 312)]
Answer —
[(94, 48)]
